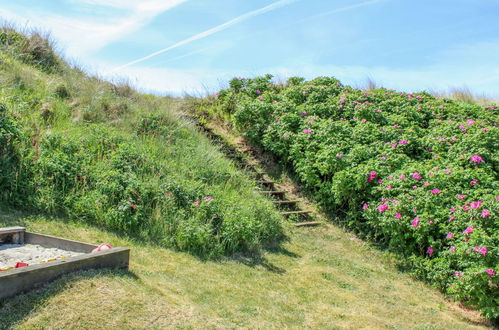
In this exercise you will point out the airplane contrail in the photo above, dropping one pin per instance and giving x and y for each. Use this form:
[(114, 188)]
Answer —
[(211, 31)]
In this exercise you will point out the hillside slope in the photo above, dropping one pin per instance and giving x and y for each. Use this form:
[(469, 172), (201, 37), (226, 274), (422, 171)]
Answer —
[(107, 155)]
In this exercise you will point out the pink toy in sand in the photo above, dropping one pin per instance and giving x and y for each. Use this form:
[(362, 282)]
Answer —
[(102, 247)]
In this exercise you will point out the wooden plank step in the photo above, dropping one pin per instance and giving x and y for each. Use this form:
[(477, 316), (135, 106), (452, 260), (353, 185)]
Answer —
[(271, 192), (285, 202), (308, 224), (295, 212), (266, 182)]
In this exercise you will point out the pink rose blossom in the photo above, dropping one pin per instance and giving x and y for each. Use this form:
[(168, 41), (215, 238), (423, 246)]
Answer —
[(447, 170), (304, 113), (383, 207), (415, 222), (490, 271), (482, 250), (389, 187), (402, 177), (208, 198), (468, 230), (197, 203), (429, 250), (476, 205), (426, 183), (449, 235), (474, 182), (383, 157), (380, 181), (403, 142), (485, 213), (436, 191), (470, 122), (307, 131), (451, 218), (398, 216), (452, 209), (452, 249), (372, 176), (339, 156), (365, 206), (476, 159), (461, 196), (416, 176), (458, 274)]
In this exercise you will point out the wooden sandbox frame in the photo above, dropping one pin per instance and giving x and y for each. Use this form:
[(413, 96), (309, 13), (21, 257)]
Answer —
[(19, 280)]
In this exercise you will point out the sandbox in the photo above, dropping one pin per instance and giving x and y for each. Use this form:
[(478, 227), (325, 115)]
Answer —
[(43, 258)]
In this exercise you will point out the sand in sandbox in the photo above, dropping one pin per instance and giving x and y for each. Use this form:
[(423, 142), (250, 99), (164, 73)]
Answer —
[(10, 254)]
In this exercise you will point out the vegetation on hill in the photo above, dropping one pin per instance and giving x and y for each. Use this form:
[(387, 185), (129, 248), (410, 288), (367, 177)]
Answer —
[(105, 154), (416, 173)]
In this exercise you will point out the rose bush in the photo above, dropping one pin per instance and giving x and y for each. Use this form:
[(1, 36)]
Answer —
[(415, 172)]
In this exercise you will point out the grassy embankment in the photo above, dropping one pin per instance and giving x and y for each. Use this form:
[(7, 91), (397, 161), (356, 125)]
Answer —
[(101, 155)]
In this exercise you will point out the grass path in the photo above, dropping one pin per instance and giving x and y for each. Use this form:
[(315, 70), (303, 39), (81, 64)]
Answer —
[(320, 278)]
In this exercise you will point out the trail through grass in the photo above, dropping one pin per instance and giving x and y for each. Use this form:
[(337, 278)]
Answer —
[(320, 278)]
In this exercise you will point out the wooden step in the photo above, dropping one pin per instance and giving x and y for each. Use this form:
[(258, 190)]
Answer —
[(285, 202), (308, 224), (295, 212), (271, 192), (265, 182)]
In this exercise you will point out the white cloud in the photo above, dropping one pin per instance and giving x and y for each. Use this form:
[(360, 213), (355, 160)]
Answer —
[(81, 36)]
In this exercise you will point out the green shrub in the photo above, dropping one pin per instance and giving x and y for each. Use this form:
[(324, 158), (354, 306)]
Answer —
[(411, 171)]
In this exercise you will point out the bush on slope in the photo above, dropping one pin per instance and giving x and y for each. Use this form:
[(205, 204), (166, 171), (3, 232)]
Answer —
[(417, 173)]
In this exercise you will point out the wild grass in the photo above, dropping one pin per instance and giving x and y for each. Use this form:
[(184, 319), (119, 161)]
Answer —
[(321, 278), (105, 154)]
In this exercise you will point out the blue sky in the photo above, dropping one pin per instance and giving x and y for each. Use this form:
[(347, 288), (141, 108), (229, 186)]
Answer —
[(176, 46)]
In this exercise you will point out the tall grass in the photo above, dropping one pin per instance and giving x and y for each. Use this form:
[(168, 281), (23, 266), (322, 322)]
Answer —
[(103, 153)]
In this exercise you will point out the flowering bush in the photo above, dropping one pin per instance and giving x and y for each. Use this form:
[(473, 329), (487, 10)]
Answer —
[(412, 171)]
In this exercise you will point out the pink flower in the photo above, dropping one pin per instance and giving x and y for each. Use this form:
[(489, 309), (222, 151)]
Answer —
[(426, 183), (304, 113), (403, 142), (208, 198), (449, 235), (430, 221), (372, 176), (474, 182), (466, 207), (197, 203), (383, 157), (468, 230), (436, 191), (365, 207), (451, 218), (447, 170), (435, 156), (452, 249), (307, 131), (460, 196), (462, 128), (396, 125), (476, 159), (363, 121), (458, 274), (482, 250), (485, 213), (470, 122), (389, 187), (431, 173), (416, 176), (429, 250), (342, 99), (378, 111), (260, 97), (402, 177), (452, 209), (414, 187), (258, 92), (490, 271), (383, 207), (380, 181), (476, 204), (484, 130), (339, 156), (394, 145), (415, 222), (398, 216)]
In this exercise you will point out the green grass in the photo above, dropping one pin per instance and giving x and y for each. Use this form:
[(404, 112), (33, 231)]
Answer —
[(321, 278)]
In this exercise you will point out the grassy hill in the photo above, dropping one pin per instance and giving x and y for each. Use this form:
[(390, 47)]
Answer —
[(89, 160)]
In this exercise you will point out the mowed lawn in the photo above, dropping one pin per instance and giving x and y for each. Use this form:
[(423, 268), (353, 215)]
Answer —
[(319, 278)]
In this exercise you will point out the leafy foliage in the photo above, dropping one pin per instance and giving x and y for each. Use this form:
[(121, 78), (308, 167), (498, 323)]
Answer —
[(416, 173)]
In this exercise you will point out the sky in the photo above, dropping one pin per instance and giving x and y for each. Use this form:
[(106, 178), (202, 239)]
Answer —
[(196, 46)]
